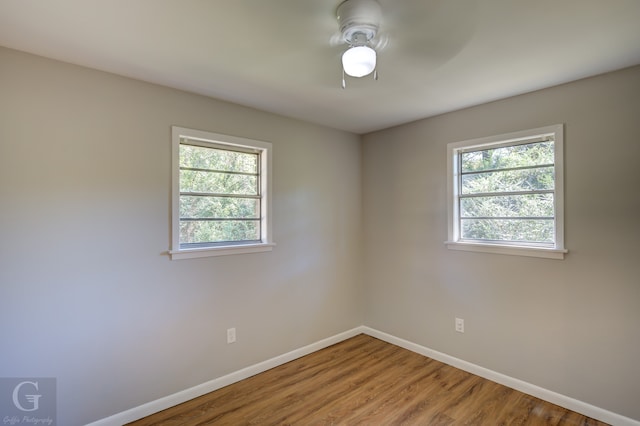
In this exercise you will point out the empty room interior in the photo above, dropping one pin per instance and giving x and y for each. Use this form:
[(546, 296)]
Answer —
[(129, 291)]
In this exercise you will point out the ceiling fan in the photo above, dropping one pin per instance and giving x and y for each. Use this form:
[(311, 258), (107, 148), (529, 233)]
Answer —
[(426, 35), (359, 22)]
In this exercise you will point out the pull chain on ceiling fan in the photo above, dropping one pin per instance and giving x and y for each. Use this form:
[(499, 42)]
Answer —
[(359, 21)]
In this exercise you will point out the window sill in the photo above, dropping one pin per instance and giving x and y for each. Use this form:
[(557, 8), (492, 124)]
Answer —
[(547, 253), (220, 251)]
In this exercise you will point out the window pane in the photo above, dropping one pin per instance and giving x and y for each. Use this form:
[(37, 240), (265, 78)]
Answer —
[(193, 232), (217, 159), (220, 183), (509, 180), (219, 207), (532, 154), (529, 205), (517, 230)]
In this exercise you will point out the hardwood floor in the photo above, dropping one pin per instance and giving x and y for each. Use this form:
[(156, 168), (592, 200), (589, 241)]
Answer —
[(365, 381)]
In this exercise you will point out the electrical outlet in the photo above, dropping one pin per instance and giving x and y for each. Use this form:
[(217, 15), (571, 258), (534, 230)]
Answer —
[(459, 325), (231, 335)]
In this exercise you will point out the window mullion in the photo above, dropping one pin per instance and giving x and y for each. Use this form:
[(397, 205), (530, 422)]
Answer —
[(218, 195), (508, 217), (506, 169), (506, 193), (218, 219), (228, 172)]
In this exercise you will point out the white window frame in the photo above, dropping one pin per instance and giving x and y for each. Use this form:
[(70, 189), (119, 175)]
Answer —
[(456, 148), (215, 139)]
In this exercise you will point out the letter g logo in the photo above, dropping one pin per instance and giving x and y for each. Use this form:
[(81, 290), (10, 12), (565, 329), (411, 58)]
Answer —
[(33, 399)]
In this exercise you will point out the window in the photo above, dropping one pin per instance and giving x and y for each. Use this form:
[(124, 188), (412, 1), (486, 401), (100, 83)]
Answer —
[(506, 194), (220, 199)]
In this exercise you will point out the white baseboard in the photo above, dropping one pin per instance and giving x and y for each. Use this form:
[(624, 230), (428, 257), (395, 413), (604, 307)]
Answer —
[(152, 407), (528, 388), (212, 385)]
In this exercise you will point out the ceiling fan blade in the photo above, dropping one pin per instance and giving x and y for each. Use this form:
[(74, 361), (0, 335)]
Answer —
[(416, 30)]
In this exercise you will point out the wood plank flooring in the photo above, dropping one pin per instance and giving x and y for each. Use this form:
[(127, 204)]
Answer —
[(365, 381)]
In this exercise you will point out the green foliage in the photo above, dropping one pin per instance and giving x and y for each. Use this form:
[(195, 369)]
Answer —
[(537, 179), (219, 207), (520, 215), (526, 155), (226, 184), (218, 159), (217, 183), (508, 230), (192, 232), (525, 205)]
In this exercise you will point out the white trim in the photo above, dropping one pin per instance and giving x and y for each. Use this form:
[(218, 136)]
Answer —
[(265, 149), (152, 407), (547, 253), (572, 404), (517, 384), (220, 251), (559, 185), (454, 242)]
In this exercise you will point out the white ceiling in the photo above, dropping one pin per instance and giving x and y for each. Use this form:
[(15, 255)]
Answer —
[(281, 55)]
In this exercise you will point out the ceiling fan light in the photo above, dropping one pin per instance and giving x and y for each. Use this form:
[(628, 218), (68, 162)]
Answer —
[(359, 61)]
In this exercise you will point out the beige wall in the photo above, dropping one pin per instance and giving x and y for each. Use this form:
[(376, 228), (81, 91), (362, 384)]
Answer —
[(88, 294), (571, 326)]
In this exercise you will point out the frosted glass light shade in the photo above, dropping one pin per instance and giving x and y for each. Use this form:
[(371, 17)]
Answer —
[(359, 61)]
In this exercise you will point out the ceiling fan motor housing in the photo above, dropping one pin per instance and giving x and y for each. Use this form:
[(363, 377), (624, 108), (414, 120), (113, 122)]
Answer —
[(358, 19)]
